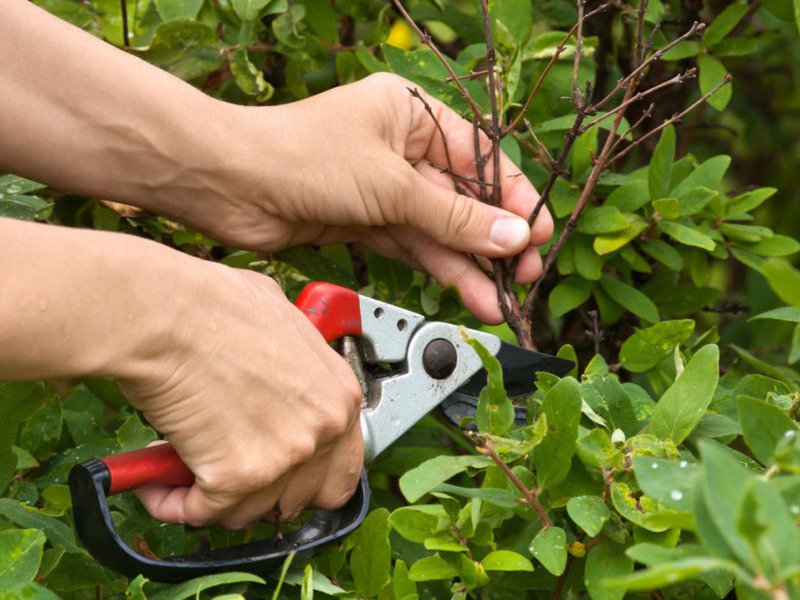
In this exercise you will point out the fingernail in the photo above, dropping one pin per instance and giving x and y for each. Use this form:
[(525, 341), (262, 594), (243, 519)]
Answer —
[(509, 232)]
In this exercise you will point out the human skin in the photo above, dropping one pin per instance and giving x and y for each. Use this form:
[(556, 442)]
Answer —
[(210, 354)]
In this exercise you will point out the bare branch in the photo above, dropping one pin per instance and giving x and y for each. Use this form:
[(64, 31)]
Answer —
[(676, 117), (450, 170), (559, 50), (577, 101), (428, 41), (678, 79), (529, 496), (693, 30)]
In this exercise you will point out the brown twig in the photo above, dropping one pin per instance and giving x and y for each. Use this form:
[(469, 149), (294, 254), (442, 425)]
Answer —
[(530, 497), (636, 73), (450, 169), (470, 75), (428, 41), (678, 79), (600, 164), (676, 117), (559, 50)]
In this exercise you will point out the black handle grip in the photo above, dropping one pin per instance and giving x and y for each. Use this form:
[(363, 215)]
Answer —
[(89, 483)]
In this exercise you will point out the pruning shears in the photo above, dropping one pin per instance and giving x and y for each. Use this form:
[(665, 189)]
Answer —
[(430, 365)]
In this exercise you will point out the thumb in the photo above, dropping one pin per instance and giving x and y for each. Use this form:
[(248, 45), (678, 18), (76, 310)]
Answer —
[(465, 224)]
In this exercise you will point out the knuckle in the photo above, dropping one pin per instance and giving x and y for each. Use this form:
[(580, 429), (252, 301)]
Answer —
[(301, 450), (459, 214)]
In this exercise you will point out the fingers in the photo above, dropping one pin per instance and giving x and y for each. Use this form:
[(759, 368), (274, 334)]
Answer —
[(462, 223), (426, 145)]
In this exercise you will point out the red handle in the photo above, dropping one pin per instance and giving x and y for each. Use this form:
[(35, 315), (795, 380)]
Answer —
[(333, 310)]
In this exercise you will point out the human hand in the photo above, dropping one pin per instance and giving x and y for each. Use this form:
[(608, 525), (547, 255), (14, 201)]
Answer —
[(354, 164), (261, 409)]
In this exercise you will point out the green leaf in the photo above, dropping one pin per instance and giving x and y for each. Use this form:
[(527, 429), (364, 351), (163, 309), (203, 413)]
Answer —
[(250, 10), (763, 425), (663, 253), (683, 50), (712, 72), (723, 24), (495, 411), (419, 481), (693, 201), (630, 299), (659, 172), (133, 434), (775, 245), (422, 67), (417, 523), (570, 293), (648, 347), (178, 9), (515, 15), (316, 266), (371, 558), (723, 487), (601, 219), (669, 573), (684, 403), (249, 79), (18, 401), (431, 568), (553, 456), (13, 185), (746, 202), (506, 560), (28, 516), (708, 174), (785, 313), (605, 244), (25, 208), (630, 197), (135, 590), (671, 482), (185, 48), (402, 586), (687, 235), (607, 560), (606, 396), (784, 280), (193, 587), (323, 20), (20, 555), (589, 513), (668, 208), (550, 548), (289, 26), (495, 496)]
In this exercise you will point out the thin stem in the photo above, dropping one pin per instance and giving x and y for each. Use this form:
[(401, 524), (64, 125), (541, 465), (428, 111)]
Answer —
[(693, 30), (672, 119), (577, 101), (529, 496), (559, 50), (599, 166), (450, 170), (428, 41), (678, 79), (123, 4)]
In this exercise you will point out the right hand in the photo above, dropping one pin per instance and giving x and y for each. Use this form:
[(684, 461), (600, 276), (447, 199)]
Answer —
[(258, 406)]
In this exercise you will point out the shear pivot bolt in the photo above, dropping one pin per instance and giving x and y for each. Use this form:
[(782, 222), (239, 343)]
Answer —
[(439, 358)]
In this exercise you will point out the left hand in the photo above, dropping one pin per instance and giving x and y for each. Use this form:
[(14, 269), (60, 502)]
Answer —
[(359, 163)]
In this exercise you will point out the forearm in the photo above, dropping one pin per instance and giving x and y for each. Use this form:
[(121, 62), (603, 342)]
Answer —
[(86, 117), (78, 302)]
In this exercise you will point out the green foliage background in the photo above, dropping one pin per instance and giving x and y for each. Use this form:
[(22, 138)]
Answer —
[(667, 464)]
